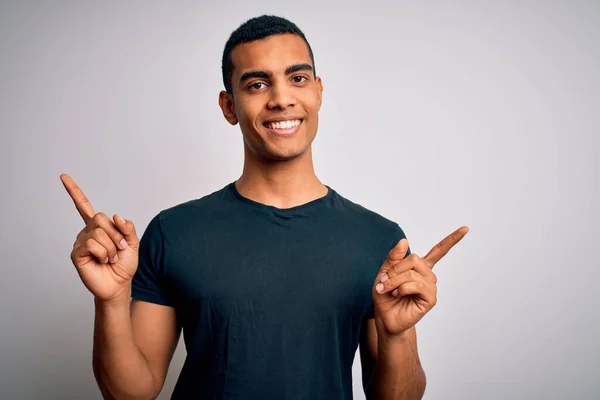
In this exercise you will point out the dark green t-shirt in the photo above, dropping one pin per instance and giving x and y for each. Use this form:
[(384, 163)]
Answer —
[(271, 301)]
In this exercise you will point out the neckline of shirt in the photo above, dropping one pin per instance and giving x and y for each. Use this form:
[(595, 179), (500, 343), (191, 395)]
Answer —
[(300, 207)]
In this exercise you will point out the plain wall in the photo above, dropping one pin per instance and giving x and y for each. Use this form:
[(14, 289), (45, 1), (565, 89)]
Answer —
[(436, 115)]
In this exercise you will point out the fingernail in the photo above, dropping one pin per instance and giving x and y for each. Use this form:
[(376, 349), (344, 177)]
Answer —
[(105, 260), (395, 292), (379, 287), (384, 278), (123, 244), (115, 259)]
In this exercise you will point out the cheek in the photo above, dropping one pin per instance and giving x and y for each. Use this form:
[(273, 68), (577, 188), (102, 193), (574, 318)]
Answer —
[(247, 114), (249, 127), (314, 126), (313, 109), (313, 104)]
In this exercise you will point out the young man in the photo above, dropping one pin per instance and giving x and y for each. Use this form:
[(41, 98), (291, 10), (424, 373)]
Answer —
[(275, 279)]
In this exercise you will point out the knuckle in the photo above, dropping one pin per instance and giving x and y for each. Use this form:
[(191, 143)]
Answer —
[(393, 255), (390, 285), (433, 278), (99, 217), (392, 271), (85, 200), (89, 243), (96, 233), (387, 284), (441, 248)]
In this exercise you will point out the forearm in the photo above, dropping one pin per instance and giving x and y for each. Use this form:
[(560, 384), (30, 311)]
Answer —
[(119, 367), (398, 372)]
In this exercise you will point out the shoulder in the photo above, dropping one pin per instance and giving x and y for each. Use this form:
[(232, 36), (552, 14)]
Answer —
[(187, 215), (363, 215), (367, 220)]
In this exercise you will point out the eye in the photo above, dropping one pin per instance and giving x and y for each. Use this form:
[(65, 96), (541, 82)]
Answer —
[(256, 86), (299, 79)]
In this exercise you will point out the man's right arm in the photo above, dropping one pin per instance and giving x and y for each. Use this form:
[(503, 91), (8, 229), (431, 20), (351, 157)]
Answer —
[(134, 343)]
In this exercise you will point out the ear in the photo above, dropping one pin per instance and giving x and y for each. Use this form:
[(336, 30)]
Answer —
[(227, 106), (319, 83)]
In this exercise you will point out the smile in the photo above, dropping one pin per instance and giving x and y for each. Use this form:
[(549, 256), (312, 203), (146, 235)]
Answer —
[(284, 127)]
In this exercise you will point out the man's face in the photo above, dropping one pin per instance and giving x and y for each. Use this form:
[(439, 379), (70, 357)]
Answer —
[(276, 98)]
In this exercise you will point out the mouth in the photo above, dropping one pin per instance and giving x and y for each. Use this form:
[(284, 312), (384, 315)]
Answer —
[(286, 128)]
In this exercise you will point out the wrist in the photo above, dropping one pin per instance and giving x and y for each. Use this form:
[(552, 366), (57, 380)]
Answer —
[(396, 339), (384, 336), (392, 350), (120, 299)]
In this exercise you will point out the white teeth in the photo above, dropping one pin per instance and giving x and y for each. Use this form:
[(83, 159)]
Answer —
[(284, 124)]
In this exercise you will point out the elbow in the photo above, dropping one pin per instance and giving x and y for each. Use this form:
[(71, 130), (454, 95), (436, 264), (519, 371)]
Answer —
[(419, 386), (412, 388), (113, 392)]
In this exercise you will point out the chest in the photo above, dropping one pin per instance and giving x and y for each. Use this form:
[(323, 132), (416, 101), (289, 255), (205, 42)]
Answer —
[(254, 277)]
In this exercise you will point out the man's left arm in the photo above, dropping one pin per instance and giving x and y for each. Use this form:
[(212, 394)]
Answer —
[(391, 368), (404, 290)]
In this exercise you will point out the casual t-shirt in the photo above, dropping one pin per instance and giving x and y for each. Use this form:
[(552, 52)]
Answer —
[(271, 301)]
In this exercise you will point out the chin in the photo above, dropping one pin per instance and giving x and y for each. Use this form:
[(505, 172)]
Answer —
[(283, 154)]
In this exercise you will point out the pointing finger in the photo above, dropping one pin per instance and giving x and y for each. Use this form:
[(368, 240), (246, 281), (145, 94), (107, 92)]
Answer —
[(83, 205), (443, 247)]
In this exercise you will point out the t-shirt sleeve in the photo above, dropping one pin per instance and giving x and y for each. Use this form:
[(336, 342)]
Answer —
[(396, 236), (149, 280)]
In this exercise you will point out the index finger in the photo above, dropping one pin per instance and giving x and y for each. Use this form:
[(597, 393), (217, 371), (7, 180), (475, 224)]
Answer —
[(83, 205), (442, 248)]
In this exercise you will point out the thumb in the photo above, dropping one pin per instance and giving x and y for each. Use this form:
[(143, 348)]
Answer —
[(396, 254), (127, 228)]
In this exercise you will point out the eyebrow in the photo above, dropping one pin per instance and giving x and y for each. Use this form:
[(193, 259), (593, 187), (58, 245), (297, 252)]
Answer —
[(264, 74)]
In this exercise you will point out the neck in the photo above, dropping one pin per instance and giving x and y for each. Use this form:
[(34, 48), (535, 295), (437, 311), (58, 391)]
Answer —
[(282, 184)]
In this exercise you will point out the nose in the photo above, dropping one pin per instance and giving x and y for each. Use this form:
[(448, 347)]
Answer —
[(282, 97)]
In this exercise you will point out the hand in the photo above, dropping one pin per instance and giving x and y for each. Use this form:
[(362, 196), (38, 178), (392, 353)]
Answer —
[(405, 288), (105, 252)]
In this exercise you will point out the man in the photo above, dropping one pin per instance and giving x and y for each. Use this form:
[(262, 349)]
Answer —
[(275, 279)]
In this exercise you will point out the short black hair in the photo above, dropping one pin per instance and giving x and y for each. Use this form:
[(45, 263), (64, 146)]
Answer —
[(255, 29)]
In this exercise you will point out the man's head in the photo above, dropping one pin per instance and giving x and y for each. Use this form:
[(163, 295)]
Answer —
[(269, 77), (255, 29)]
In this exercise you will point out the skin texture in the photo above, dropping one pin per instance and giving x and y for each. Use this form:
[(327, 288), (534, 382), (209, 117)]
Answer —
[(134, 340)]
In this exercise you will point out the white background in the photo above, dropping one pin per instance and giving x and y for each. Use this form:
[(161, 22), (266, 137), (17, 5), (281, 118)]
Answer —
[(436, 115)]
